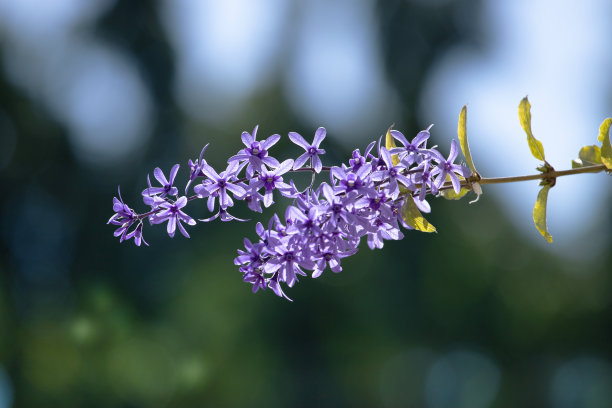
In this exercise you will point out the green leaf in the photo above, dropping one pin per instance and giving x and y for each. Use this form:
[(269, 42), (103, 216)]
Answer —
[(390, 144), (604, 138), (590, 155), (604, 129), (463, 142), (576, 164), (414, 218), (537, 150), (539, 213), (450, 193)]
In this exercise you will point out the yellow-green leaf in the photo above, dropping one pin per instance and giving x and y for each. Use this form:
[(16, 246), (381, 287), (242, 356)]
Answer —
[(414, 218), (606, 147), (576, 164), (462, 133), (604, 128), (590, 155), (539, 213), (390, 144), (450, 193), (537, 150)]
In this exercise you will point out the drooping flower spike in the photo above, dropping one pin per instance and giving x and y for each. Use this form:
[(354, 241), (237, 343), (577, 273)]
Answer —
[(323, 225), (370, 196)]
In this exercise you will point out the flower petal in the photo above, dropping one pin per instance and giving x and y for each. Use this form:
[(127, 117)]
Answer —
[(299, 162), (247, 138), (299, 140), (283, 167), (171, 226), (159, 175), (269, 142), (316, 163), (173, 172), (319, 136)]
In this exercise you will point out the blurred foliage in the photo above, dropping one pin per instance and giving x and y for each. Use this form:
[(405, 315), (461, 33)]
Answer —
[(85, 321)]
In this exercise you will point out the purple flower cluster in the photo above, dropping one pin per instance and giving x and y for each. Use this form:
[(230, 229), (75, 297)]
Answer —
[(324, 223), (363, 199)]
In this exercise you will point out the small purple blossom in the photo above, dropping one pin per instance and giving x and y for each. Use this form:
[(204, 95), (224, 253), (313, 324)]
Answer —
[(166, 185), (357, 181), (448, 168), (173, 214), (137, 235), (272, 179), (412, 151), (312, 150), (124, 217), (196, 168), (219, 185), (391, 174), (255, 155)]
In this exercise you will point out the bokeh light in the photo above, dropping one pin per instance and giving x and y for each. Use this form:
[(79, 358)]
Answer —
[(462, 379), (6, 390), (582, 382), (95, 94)]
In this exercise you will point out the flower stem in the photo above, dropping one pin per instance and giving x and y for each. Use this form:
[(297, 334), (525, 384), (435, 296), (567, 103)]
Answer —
[(551, 174)]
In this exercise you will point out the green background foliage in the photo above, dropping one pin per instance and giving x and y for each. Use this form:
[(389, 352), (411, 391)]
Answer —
[(473, 313)]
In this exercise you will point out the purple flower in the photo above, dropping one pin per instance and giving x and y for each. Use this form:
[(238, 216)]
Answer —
[(252, 197), (384, 230), (337, 208), (285, 262), (219, 186), (379, 202), (350, 181), (312, 150), (196, 168), (137, 235), (173, 214), (256, 278), (447, 167), (252, 255), (303, 222), (357, 159), (124, 217), (270, 180), (392, 174), (166, 188), (331, 258), (411, 151), (424, 177), (256, 153), (274, 284)]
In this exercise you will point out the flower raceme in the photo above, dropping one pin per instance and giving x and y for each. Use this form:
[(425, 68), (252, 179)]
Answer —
[(370, 197), (324, 223)]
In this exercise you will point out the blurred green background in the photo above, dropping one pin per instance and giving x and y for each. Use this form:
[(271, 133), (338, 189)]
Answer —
[(96, 94)]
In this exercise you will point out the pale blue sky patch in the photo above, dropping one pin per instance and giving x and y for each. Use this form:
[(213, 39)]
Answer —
[(335, 72), (226, 51), (560, 57)]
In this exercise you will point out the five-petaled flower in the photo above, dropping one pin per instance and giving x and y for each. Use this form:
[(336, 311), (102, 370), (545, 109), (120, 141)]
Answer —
[(255, 154), (312, 150), (172, 213), (166, 185)]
